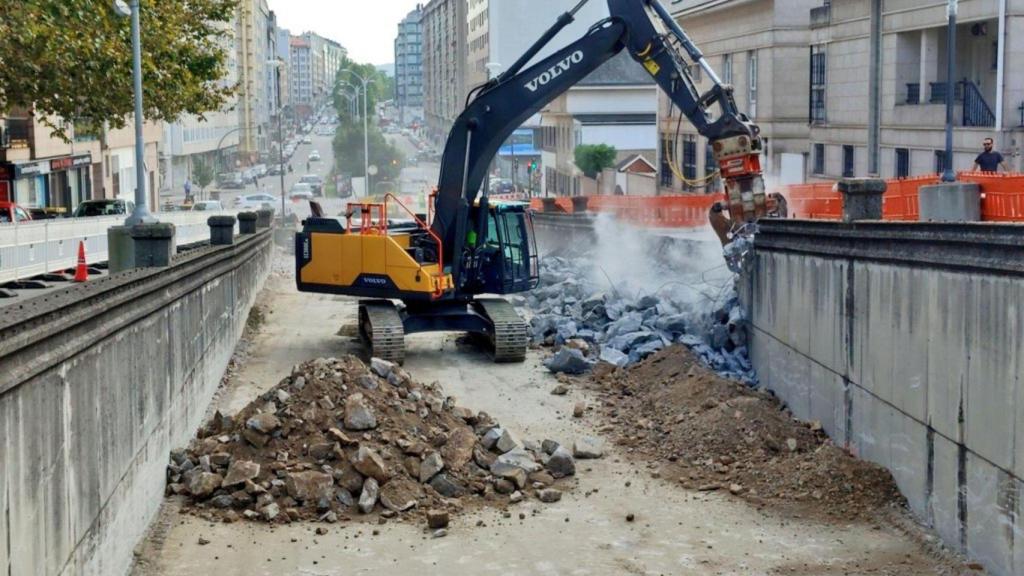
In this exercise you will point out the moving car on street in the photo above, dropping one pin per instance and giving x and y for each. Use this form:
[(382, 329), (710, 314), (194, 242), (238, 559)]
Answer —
[(301, 191), (207, 206), (230, 181), (11, 212), (107, 207), (314, 156), (316, 183), (256, 201)]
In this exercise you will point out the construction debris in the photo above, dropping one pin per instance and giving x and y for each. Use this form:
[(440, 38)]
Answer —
[(589, 323), (338, 439), (711, 433)]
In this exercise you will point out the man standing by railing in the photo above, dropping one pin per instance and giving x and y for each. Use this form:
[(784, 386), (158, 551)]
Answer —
[(989, 160)]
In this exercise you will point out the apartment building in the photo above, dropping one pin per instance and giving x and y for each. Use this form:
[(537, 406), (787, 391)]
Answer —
[(888, 117), (255, 44), (444, 65), (478, 42), (409, 67), (760, 47), (41, 171)]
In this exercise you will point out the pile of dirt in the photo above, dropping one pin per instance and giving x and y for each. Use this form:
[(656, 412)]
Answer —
[(718, 434), (338, 439)]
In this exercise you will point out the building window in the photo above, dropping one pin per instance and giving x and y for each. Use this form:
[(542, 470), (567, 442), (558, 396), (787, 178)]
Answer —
[(819, 158), (818, 64), (847, 161), (752, 82), (665, 171), (902, 162), (940, 161), (727, 68), (709, 160), (690, 156)]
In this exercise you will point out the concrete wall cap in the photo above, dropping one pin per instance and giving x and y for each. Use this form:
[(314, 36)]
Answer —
[(155, 230), (221, 221), (861, 186)]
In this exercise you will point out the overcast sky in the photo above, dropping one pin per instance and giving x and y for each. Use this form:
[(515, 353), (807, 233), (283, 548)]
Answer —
[(367, 28)]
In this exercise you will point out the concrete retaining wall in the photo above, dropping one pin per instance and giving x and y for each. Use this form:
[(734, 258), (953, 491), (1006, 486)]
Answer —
[(97, 384), (907, 342)]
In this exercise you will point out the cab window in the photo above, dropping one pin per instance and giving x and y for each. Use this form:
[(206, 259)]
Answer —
[(21, 215)]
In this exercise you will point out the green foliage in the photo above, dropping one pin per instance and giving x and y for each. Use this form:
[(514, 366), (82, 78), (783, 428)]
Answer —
[(348, 152), (379, 89), (593, 158), (72, 59), (202, 174)]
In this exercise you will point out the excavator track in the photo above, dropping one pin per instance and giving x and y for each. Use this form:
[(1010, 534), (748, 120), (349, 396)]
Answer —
[(380, 327), (509, 341)]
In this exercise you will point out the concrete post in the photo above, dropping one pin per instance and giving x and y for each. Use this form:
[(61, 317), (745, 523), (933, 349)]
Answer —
[(950, 202), (154, 244), (247, 222), (222, 230), (120, 249), (264, 218), (862, 198)]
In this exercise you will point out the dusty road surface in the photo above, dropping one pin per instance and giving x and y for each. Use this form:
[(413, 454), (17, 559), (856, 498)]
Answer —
[(675, 531)]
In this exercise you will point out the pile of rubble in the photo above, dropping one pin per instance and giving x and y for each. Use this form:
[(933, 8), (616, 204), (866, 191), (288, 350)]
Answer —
[(339, 439), (587, 322), (711, 433)]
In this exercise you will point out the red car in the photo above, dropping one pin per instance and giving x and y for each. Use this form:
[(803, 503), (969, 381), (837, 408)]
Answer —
[(11, 212)]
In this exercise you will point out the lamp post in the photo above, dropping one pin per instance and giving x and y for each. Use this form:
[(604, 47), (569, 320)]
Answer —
[(353, 104), (276, 65), (140, 215), (366, 128), (947, 173)]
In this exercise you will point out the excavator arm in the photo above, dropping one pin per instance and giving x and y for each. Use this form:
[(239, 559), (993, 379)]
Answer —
[(497, 108)]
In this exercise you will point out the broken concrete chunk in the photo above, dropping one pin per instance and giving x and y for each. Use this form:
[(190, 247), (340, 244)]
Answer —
[(309, 486), (447, 486), (368, 496), (588, 447), (437, 519), (400, 494), (568, 361), (561, 463), (240, 471), (369, 463), (430, 466), (358, 415), (264, 423), (519, 458), (505, 442), (381, 367), (549, 495)]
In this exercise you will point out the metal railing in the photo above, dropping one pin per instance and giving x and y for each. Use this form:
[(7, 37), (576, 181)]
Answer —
[(29, 249), (976, 110)]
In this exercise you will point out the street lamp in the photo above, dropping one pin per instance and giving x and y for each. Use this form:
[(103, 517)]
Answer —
[(366, 129), (947, 173), (276, 64), (140, 215)]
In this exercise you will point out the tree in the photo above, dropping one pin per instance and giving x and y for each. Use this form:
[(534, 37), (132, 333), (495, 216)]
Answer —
[(72, 59), (380, 89), (348, 152), (593, 158), (202, 174)]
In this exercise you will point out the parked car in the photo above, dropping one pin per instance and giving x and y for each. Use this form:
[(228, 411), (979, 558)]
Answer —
[(207, 206), (301, 191), (230, 180), (107, 207), (307, 140), (314, 156), (256, 201), (260, 170), (11, 212), (316, 183)]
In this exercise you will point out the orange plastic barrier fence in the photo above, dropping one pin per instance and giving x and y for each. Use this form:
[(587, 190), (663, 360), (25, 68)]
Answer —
[(1002, 197), (1002, 201)]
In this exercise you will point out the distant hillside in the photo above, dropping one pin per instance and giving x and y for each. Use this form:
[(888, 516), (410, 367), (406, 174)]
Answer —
[(387, 69)]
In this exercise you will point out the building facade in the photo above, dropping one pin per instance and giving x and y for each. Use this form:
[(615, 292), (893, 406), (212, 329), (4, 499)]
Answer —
[(478, 42), (444, 66), (887, 118), (255, 44), (40, 171), (760, 47), (409, 67), (314, 62)]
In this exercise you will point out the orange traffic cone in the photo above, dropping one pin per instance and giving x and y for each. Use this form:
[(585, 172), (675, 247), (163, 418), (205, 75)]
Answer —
[(81, 271)]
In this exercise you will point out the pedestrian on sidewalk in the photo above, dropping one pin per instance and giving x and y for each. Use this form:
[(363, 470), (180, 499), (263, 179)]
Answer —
[(990, 160)]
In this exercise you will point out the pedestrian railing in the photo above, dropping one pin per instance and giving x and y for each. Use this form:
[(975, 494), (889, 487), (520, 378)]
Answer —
[(29, 249)]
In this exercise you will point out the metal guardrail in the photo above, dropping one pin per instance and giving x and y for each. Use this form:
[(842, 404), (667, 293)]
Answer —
[(40, 247)]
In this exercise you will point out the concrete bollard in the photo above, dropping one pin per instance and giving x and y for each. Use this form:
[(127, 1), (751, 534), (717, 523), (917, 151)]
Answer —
[(247, 222), (579, 203), (154, 244), (950, 202), (222, 230), (264, 218), (862, 198)]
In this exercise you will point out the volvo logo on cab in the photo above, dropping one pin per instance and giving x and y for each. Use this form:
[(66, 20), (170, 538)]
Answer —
[(555, 71)]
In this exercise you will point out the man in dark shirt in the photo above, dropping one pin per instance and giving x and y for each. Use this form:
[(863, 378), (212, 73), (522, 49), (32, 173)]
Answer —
[(989, 160)]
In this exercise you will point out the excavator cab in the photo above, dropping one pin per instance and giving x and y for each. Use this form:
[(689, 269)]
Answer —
[(506, 256)]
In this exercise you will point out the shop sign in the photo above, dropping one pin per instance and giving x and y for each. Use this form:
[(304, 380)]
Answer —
[(32, 168)]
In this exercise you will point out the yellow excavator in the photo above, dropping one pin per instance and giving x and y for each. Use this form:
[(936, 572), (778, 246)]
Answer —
[(430, 272)]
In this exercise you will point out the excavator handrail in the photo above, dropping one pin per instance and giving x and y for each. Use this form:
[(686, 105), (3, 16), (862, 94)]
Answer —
[(439, 287)]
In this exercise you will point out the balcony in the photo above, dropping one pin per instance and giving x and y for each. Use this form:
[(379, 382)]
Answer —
[(17, 133), (970, 106)]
